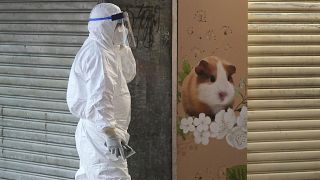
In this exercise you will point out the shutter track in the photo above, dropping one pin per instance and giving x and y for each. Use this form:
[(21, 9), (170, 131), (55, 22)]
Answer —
[(283, 90), (38, 42)]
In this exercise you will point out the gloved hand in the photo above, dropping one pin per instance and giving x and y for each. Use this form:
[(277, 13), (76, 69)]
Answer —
[(114, 143)]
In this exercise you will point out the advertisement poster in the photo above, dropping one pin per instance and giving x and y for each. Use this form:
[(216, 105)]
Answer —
[(211, 92)]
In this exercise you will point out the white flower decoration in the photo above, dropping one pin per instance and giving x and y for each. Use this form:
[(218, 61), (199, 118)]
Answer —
[(242, 118), (237, 138), (224, 122), (202, 122), (230, 118), (187, 125), (201, 137), (222, 126)]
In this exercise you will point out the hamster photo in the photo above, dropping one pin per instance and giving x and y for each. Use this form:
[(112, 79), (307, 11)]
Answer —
[(209, 87)]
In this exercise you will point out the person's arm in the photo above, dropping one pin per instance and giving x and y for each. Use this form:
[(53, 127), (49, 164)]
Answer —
[(101, 78), (76, 101), (128, 63)]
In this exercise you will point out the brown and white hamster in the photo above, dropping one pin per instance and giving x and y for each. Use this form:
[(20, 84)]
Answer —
[(209, 87)]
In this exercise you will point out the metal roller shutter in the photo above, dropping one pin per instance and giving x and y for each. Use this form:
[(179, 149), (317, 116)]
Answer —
[(38, 41), (284, 89)]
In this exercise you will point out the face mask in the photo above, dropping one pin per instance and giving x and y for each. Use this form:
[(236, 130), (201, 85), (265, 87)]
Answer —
[(123, 34)]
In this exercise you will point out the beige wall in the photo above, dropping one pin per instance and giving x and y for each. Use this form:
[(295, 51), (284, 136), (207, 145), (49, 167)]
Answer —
[(207, 28)]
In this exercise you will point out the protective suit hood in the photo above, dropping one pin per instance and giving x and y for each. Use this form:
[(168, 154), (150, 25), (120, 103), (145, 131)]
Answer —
[(103, 31)]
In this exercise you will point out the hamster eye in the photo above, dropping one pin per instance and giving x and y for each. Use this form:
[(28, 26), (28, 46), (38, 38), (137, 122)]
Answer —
[(212, 78), (229, 78)]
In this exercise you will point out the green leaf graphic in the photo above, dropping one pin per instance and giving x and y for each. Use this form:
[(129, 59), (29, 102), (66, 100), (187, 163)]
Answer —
[(186, 69), (237, 173)]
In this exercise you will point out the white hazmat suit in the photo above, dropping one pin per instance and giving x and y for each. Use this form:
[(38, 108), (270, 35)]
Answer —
[(98, 95)]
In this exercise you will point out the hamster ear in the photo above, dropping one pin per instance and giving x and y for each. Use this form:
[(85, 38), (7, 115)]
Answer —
[(231, 69), (203, 69)]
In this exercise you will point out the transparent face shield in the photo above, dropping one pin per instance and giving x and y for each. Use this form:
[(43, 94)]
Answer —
[(123, 34)]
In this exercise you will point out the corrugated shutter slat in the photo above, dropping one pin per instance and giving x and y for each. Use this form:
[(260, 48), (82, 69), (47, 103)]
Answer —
[(284, 89), (38, 42)]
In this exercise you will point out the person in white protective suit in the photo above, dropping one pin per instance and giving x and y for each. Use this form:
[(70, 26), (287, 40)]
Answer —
[(98, 95)]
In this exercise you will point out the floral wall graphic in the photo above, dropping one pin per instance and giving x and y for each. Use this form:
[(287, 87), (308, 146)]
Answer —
[(212, 99)]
